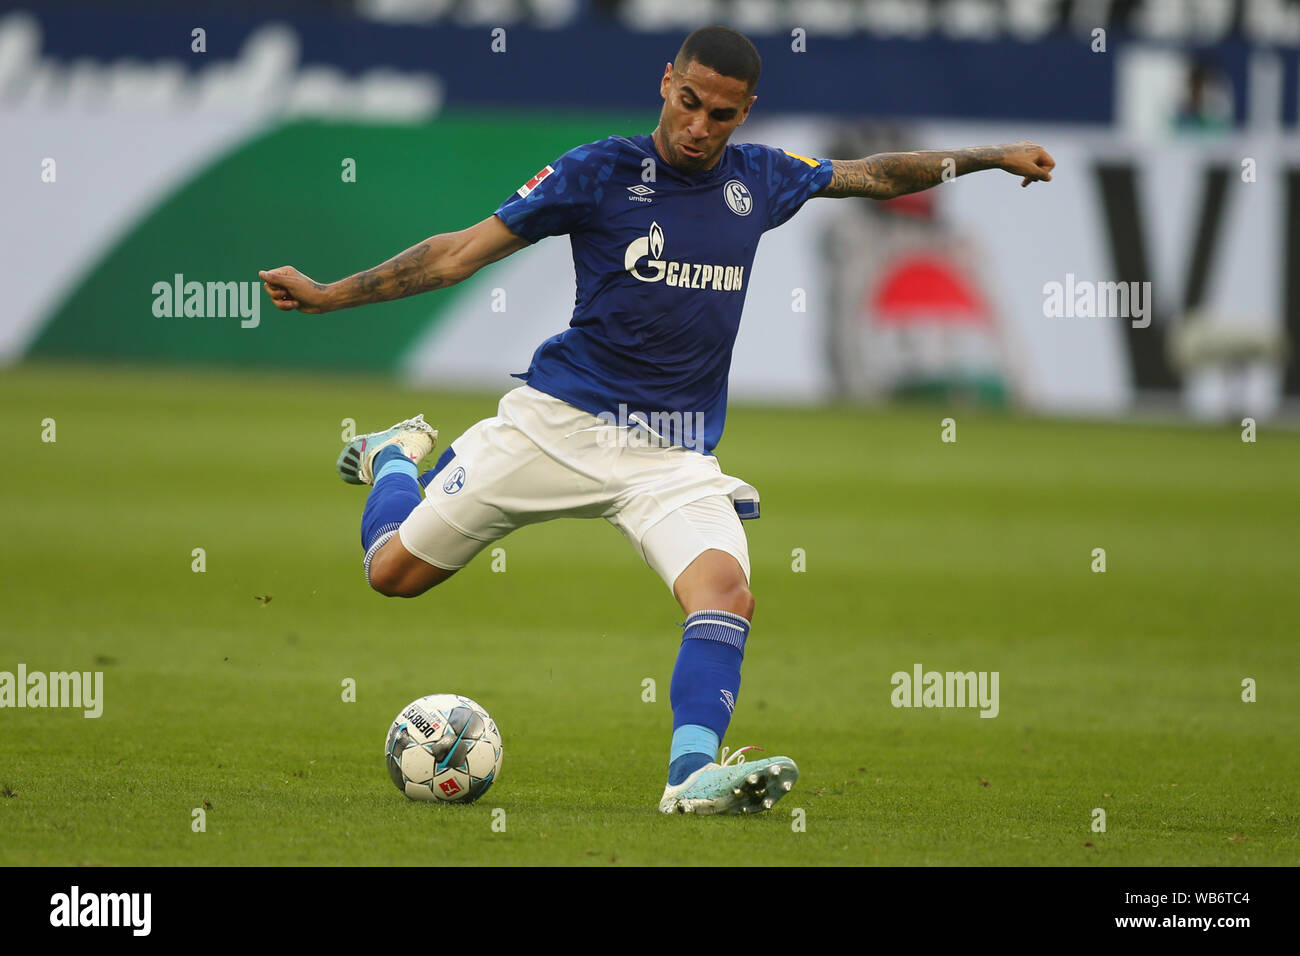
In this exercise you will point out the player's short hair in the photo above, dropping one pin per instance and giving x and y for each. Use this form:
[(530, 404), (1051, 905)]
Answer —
[(722, 49)]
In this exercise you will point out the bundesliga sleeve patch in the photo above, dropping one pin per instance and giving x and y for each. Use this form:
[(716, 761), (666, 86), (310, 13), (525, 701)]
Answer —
[(529, 186)]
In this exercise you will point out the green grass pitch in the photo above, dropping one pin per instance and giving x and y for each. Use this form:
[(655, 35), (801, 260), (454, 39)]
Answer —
[(223, 689)]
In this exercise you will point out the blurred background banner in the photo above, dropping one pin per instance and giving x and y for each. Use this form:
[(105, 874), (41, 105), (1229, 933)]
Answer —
[(154, 160)]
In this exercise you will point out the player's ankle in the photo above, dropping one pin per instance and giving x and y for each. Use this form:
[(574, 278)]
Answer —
[(685, 765)]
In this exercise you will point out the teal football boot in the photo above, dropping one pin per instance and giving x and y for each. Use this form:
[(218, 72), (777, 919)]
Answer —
[(415, 437), (732, 786)]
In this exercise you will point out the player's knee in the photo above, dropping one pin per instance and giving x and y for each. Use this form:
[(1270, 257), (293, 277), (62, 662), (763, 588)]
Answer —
[(738, 599), (392, 576), (398, 587), (384, 582), (388, 577), (745, 597), (723, 593)]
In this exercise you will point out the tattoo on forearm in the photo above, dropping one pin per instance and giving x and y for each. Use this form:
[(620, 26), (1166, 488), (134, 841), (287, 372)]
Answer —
[(886, 175), (407, 273)]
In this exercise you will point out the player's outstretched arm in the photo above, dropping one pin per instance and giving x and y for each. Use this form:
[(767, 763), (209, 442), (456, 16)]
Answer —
[(886, 175), (438, 262)]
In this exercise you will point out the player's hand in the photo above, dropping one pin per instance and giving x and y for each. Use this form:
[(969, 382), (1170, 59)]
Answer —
[(289, 289), (1029, 160)]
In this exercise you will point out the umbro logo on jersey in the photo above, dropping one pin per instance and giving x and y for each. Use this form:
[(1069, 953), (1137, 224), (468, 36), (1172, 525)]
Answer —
[(640, 193), (529, 186)]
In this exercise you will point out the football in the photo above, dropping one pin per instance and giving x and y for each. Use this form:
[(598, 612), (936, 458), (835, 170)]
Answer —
[(444, 748)]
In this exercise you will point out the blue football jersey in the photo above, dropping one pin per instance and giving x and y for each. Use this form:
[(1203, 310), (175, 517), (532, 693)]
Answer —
[(662, 260)]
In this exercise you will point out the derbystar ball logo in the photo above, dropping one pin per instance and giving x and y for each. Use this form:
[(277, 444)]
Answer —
[(645, 253), (529, 186)]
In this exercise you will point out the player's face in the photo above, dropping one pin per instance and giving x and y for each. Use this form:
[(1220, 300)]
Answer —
[(701, 110)]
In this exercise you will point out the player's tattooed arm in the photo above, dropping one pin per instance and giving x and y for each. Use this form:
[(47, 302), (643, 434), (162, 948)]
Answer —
[(886, 175), (436, 263), (420, 268)]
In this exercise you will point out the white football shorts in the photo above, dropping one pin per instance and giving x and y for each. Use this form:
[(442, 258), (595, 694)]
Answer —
[(541, 458)]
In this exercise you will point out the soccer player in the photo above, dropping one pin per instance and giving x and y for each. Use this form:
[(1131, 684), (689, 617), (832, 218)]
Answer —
[(621, 411)]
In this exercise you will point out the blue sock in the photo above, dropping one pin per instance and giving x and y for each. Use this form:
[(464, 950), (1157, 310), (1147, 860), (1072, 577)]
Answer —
[(706, 681), (693, 747), (394, 496)]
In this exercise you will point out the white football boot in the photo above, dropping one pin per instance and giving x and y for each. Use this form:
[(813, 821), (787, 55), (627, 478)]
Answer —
[(415, 437), (732, 786)]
